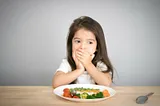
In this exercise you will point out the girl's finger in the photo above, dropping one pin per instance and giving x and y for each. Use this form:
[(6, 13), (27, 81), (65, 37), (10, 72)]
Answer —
[(79, 53), (79, 56)]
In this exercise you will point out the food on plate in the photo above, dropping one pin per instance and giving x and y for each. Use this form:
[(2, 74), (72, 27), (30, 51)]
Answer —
[(105, 93), (66, 92), (85, 93)]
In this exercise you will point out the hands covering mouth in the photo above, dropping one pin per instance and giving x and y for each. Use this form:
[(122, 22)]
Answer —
[(82, 58)]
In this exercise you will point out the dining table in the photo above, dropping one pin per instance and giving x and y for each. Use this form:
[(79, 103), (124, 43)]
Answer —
[(44, 96)]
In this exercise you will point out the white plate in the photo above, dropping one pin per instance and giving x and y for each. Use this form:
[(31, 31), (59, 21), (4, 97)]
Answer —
[(59, 92)]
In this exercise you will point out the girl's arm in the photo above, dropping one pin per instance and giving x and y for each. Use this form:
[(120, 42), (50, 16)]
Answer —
[(61, 78), (99, 77)]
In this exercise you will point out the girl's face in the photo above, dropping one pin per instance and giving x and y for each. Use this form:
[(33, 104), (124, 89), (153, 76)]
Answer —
[(85, 40)]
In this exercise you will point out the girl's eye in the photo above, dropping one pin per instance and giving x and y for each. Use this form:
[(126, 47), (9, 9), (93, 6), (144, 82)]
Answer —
[(90, 42), (77, 41)]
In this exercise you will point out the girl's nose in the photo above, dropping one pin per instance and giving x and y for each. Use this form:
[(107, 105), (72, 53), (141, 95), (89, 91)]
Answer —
[(82, 46)]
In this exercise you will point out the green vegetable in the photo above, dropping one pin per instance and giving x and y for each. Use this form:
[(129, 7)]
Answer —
[(78, 95), (90, 97), (83, 95), (71, 89), (99, 95)]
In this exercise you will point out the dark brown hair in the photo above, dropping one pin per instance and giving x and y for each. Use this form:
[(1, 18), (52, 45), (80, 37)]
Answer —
[(101, 54)]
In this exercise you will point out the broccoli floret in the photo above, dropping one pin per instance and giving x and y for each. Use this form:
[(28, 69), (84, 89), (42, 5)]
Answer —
[(99, 95)]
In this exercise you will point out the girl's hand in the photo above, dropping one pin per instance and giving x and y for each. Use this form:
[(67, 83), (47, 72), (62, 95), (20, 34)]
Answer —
[(84, 57), (77, 62)]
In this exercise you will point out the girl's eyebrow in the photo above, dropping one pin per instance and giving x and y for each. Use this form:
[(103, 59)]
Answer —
[(87, 39), (76, 38), (91, 39)]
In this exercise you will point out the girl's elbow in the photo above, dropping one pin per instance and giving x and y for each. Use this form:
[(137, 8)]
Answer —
[(108, 83), (54, 85)]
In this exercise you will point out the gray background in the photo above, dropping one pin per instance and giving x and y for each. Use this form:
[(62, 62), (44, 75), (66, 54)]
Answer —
[(33, 38)]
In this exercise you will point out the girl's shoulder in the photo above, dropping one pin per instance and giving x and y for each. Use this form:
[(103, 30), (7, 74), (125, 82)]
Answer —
[(100, 63), (102, 66), (65, 60), (64, 66)]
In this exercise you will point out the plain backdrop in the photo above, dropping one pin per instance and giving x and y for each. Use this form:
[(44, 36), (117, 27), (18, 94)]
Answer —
[(33, 38)]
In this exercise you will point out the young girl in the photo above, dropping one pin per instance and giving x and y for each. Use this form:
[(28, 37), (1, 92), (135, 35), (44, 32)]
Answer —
[(87, 59)]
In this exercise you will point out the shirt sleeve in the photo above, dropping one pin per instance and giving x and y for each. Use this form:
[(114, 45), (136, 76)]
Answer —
[(102, 67), (64, 66)]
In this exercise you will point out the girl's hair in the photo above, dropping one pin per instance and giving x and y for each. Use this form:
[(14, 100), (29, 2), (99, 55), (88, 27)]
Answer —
[(85, 22)]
